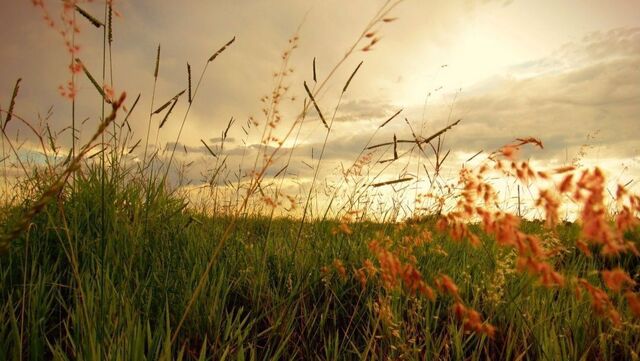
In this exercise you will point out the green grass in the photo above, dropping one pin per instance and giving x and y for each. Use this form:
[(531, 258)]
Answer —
[(111, 262), (263, 301)]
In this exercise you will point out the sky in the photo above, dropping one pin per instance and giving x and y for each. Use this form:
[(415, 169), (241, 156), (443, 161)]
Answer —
[(567, 72)]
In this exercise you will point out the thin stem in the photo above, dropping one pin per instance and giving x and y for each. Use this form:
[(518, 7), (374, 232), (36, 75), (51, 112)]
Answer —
[(103, 209), (153, 98), (315, 175), (184, 119)]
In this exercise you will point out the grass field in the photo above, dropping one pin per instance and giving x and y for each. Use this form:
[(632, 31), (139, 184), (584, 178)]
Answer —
[(105, 258), (67, 295)]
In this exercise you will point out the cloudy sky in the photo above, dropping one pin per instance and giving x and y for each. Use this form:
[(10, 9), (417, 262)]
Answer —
[(567, 72)]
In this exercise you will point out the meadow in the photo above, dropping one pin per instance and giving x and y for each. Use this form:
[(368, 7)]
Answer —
[(103, 257)]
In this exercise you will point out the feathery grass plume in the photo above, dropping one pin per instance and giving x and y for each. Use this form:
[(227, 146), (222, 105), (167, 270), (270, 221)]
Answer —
[(474, 156), (226, 130), (52, 143), (441, 131), (390, 118), (209, 149), (12, 104), (157, 67), (225, 133), (166, 116), (445, 157), (126, 118), (376, 185), (156, 70), (280, 171), (168, 102), (163, 106), (95, 22), (135, 146), (224, 47), (110, 25), (415, 138), (369, 46), (189, 80), (395, 147), (315, 80), (94, 82), (315, 105), (346, 85), (421, 140), (58, 184)]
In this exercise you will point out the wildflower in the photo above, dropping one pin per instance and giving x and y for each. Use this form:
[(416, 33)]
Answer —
[(509, 151), (582, 246), (551, 205), (446, 285), (633, 300), (361, 276), (339, 267), (472, 321), (108, 92), (566, 185), (617, 279), (564, 169), (547, 275), (600, 302), (344, 228), (382, 307)]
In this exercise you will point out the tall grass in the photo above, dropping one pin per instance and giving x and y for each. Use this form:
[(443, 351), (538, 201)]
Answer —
[(102, 257)]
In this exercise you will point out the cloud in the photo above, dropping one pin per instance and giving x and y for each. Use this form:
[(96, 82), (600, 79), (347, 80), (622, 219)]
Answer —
[(587, 84), (562, 105), (219, 139), (364, 110), (613, 43)]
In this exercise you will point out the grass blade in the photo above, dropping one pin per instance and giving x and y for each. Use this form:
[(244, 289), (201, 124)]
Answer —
[(166, 116), (94, 82), (189, 79), (376, 185), (209, 149), (215, 55), (16, 88), (315, 105), (157, 68), (163, 106), (391, 118), (95, 22), (351, 77), (314, 70)]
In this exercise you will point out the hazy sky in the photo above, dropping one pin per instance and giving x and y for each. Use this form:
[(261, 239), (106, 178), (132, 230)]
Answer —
[(567, 72)]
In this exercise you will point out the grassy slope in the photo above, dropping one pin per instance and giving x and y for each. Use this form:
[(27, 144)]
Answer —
[(64, 294)]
